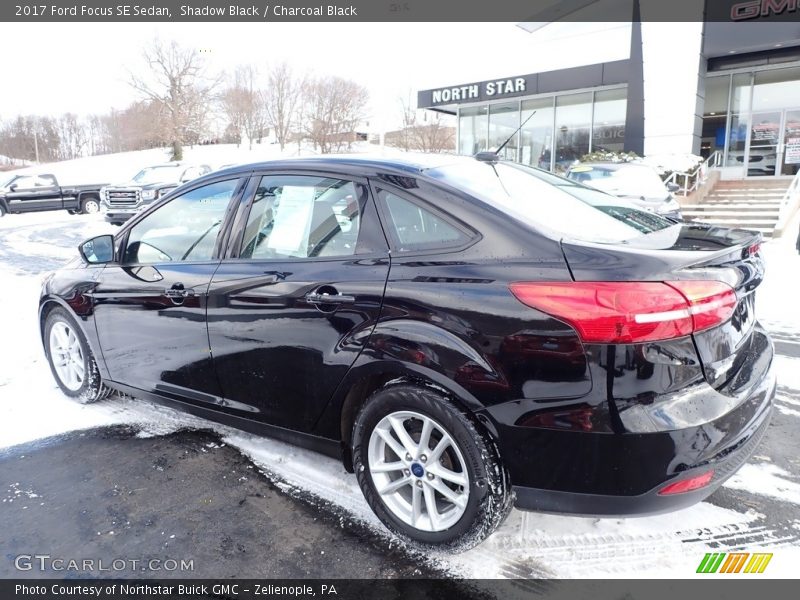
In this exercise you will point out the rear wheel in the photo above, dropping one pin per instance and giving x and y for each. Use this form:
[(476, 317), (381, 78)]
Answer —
[(71, 360), (90, 206), (2, 211), (425, 469)]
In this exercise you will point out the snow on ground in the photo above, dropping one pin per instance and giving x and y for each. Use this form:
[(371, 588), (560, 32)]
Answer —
[(527, 545)]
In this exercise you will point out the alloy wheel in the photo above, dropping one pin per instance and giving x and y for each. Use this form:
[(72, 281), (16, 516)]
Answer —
[(418, 471), (67, 355)]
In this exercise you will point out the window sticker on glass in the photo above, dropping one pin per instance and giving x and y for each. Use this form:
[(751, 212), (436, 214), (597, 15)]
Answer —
[(293, 213)]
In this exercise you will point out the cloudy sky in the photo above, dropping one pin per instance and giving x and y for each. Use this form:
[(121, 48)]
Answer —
[(51, 68)]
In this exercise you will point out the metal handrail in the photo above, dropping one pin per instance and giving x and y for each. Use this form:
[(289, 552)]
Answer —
[(789, 203), (698, 176)]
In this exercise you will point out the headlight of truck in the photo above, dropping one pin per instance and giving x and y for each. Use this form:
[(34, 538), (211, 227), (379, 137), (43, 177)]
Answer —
[(103, 196), (149, 194)]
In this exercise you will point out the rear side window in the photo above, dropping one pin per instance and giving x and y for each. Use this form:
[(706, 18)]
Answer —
[(414, 227)]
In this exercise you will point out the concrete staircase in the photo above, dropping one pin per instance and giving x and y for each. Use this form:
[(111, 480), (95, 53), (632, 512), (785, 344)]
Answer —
[(746, 203)]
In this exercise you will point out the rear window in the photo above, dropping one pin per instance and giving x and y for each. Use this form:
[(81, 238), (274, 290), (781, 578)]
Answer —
[(550, 202)]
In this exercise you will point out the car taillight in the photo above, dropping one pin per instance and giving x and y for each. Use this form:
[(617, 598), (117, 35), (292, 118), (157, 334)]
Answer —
[(687, 485), (710, 302), (627, 312)]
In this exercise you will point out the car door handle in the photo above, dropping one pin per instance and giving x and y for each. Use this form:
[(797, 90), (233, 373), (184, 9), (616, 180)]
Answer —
[(178, 291), (316, 298)]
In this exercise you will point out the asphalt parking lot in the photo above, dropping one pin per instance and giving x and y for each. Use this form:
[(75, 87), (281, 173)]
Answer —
[(182, 505)]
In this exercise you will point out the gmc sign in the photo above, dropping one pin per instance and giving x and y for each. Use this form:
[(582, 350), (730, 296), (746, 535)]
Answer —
[(753, 9)]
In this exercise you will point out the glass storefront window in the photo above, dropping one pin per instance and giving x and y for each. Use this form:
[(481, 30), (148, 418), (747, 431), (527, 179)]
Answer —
[(737, 140), (503, 122), (536, 135), (740, 92), (715, 115), (741, 88), (556, 130), (573, 129), (608, 126), (776, 90), (473, 126)]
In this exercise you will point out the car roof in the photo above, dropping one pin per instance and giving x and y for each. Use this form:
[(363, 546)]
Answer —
[(411, 162)]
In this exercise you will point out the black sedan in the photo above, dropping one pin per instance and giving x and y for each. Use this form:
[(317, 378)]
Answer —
[(467, 334)]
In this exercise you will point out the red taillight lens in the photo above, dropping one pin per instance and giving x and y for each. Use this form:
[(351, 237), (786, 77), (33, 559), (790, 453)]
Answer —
[(687, 485), (631, 312), (710, 302)]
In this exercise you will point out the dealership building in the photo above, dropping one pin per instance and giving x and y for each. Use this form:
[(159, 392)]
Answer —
[(725, 87)]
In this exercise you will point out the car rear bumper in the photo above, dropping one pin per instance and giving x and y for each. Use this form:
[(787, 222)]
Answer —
[(724, 464), (621, 473)]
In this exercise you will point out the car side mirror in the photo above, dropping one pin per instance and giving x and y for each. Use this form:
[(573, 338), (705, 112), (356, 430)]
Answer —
[(98, 250), (673, 187), (12, 187)]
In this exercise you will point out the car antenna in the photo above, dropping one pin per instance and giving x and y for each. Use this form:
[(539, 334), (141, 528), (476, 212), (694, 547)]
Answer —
[(493, 156)]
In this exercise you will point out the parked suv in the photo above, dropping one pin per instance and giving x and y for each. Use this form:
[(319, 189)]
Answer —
[(121, 202), (637, 183), (464, 334)]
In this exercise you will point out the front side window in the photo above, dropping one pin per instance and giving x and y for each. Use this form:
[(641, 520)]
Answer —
[(184, 229), (25, 183), (300, 216), (417, 228)]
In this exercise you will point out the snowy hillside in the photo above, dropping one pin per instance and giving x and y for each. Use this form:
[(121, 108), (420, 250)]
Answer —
[(111, 168)]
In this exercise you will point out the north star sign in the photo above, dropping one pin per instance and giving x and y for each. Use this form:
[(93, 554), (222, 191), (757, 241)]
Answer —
[(472, 91)]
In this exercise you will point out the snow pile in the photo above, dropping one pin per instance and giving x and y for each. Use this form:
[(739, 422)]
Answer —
[(666, 163)]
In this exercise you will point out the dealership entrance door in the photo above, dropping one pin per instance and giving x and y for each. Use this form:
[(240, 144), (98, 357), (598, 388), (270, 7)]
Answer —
[(774, 143)]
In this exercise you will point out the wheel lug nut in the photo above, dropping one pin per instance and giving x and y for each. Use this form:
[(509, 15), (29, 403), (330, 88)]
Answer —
[(423, 458), (408, 457), (419, 484), (406, 472), (430, 475)]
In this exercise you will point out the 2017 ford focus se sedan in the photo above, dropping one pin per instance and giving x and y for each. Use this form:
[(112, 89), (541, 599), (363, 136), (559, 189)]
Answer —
[(466, 334)]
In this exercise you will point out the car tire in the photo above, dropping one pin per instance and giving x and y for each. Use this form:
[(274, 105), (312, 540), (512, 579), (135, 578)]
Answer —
[(465, 483), (71, 360), (90, 206), (2, 211)]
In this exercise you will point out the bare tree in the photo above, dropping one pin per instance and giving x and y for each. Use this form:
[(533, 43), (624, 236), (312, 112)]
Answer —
[(243, 105), (177, 81), (435, 134), (333, 109), (74, 136), (430, 133), (282, 101)]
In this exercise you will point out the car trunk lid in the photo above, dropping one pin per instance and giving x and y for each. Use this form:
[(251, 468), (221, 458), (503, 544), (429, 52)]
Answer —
[(687, 252)]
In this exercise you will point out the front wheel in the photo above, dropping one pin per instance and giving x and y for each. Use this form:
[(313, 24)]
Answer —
[(426, 470), (71, 360), (90, 206)]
